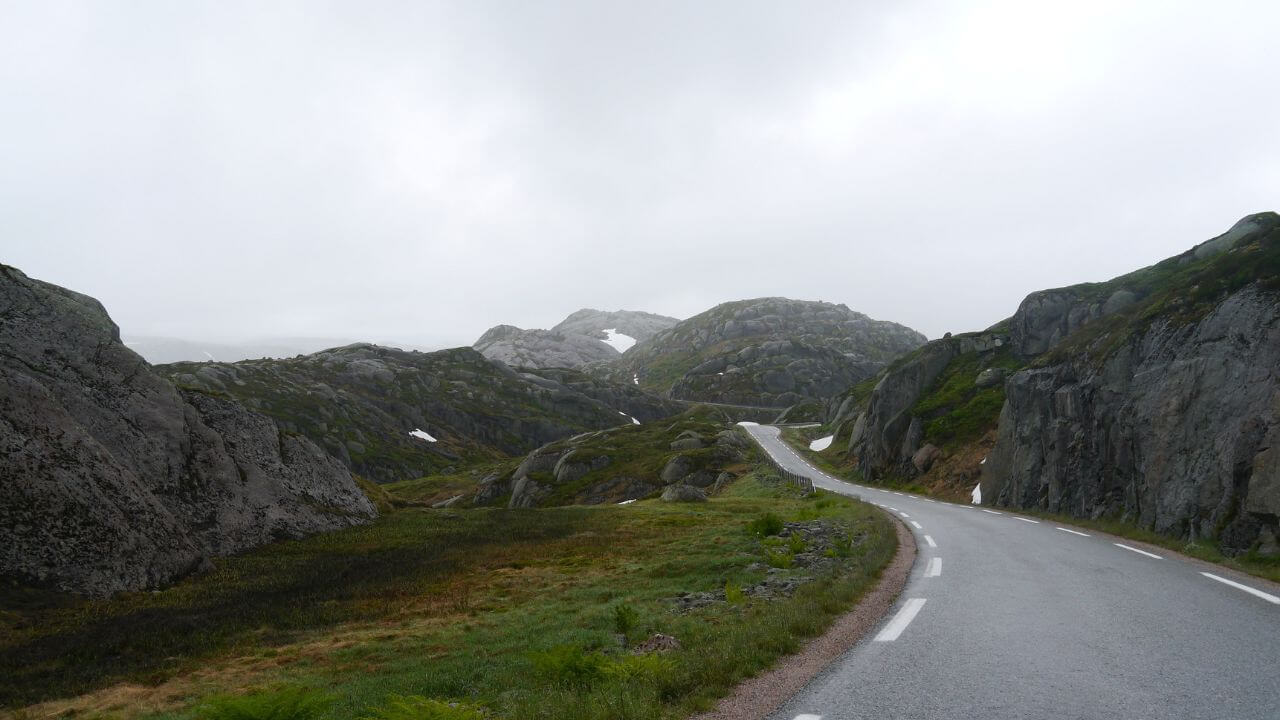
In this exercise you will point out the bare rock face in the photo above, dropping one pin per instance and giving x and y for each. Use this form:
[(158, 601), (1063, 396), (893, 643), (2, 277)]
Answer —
[(577, 341), (882, 435), (1176, 430), (767, 352), (111, 479)]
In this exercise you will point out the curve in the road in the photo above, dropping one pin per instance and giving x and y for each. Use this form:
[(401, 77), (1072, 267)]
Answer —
[(1031, 619)]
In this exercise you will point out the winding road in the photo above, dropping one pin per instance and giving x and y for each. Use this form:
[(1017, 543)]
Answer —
[(1006, 616)]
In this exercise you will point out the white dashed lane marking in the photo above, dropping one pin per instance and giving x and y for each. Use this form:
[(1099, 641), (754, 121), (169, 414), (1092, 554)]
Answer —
[(993, 512), (929, 539), (901, 620), (1037, 522), (916, 525), (1075, 532), (1252, 591), (935, 568), (1140, 552)]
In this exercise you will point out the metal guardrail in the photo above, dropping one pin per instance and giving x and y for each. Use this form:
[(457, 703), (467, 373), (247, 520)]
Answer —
[(802, 481)]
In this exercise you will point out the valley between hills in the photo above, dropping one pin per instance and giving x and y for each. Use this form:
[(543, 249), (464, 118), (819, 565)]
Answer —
[(596, 520)]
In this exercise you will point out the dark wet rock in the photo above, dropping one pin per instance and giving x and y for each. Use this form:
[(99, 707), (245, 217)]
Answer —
[(112, 479)]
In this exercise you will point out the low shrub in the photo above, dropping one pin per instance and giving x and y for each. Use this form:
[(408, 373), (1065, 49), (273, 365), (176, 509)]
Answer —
[(293, 703), (625, 619), (569, 666), (733, 593), (779, 559), (765, 525)]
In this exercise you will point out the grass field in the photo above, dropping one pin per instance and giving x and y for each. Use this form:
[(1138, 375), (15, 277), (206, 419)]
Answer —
[(523, 613)]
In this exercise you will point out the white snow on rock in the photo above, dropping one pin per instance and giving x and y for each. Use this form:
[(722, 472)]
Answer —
[(635, 379), (637, 422), (821, 443), (617, 340), (626, 502), (423, 435), (977, 494)]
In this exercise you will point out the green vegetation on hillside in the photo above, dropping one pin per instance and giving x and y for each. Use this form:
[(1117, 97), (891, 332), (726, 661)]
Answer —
[(514, 611), (954, 409), (1180, 290)]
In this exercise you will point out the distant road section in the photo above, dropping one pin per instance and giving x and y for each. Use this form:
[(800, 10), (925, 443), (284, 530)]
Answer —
[(1014, 617)]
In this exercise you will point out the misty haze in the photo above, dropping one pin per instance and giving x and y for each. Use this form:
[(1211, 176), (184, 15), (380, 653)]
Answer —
[(499, 360)]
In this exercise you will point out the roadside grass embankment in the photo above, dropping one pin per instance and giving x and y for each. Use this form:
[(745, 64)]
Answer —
[(512, 613)]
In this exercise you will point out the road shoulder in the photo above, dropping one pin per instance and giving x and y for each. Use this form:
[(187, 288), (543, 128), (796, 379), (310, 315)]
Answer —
[(757, 697)]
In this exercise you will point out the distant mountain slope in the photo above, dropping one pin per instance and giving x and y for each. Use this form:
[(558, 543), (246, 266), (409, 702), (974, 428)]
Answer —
[(587, 336), (768, 351), (639, 326), (160, 350), (111, 479), (361, 402), (1152, 398)]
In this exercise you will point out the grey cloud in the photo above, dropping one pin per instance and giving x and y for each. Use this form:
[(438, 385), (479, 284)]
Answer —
[(423, 171)]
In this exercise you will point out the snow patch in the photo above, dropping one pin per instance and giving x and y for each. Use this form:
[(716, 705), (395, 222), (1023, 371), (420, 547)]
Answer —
[(821, 443), (626, 502), (637, 422), (635, 379), (617, 340), (977, 494), (423, 435)]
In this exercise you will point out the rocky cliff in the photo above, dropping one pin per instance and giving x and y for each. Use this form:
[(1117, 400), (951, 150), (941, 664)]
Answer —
[(362, 403), (770, 352), (1153, 397), (578, 340), (112, 479)]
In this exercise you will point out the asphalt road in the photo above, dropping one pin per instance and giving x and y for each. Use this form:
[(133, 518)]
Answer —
[(1015, 617)]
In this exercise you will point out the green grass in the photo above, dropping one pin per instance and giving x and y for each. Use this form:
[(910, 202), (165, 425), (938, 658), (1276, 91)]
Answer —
[(955, 411), (451, 606)]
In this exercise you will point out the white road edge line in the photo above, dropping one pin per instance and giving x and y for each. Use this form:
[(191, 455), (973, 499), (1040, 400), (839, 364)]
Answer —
[(1075, 532), (1037, 522), (1140, 552), (1265, 596), (903, 514), (916, 525), (993, 512), (929, 539), (935, 568), (901, 620)]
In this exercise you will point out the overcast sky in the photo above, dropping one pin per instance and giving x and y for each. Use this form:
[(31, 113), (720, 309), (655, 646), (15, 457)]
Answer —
[(227, 170)]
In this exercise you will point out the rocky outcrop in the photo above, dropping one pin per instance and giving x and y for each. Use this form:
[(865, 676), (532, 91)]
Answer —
[(521, 348), (1153, 397), (626, 398), (770, 352), (639, 326), (111, 479), (624, 463), (1175, 430), (362, 402), (575, 342), (888, 433)]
